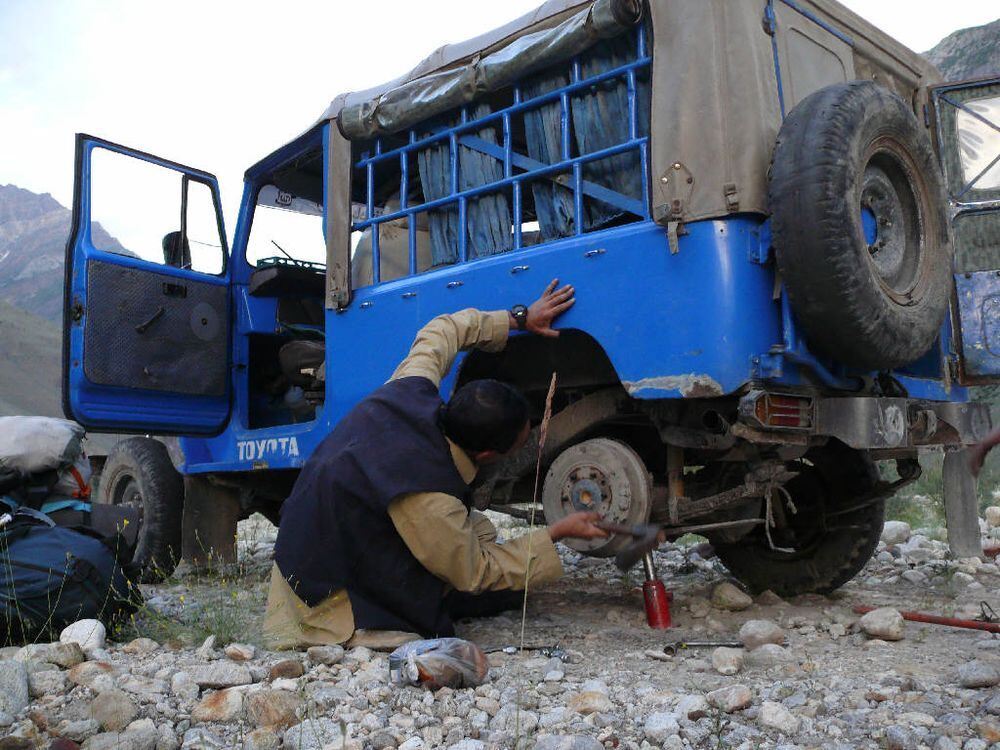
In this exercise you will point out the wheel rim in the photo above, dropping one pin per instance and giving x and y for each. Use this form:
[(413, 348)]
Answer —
[(891, 221), (602, 476), (126, 492)]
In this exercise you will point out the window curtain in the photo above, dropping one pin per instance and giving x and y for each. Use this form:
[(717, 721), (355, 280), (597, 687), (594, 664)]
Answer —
[(600, 120), (488, 216)]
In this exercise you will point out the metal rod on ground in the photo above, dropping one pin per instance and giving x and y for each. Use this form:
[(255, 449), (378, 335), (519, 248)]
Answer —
[(953, 622)]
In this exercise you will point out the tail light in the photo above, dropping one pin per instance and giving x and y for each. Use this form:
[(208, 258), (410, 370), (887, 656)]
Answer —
[(779, 411)]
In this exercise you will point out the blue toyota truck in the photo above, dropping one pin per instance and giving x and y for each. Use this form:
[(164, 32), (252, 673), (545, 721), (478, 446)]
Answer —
[(783, 230)]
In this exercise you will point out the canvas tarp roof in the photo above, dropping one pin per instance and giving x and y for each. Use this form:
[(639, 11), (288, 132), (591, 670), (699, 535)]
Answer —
[(715, 93)]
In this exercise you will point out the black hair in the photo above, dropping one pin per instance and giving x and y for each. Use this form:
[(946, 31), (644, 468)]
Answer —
[(485, 415)]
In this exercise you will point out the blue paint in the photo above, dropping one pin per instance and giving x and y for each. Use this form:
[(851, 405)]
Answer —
[(869, 225), (978, 297)]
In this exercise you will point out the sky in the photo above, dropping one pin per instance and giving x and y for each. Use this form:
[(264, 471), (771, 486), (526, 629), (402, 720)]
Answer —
[(218, 84)]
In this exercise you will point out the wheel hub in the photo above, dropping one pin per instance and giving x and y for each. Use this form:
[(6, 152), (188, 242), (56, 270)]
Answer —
[(598, 476)]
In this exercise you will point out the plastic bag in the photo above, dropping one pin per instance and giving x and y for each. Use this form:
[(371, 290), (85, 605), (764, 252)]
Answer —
[(32, 445), (439, 662)]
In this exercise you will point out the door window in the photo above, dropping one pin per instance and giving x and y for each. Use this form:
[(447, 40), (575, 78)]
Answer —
[(155, 213)]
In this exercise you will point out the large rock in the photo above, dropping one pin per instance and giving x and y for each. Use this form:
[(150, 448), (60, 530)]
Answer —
[(63, 655), (221, 674), (113, 710), (755, 633), (273, 708), (768, 655), (201, 739), (884, 623), (91, 635), (895, 532), (139, 735), (262, 739), (727, 596), (325, 654), (692, 707), (314, 734), (47, 682), (567, 742), (731, 698), (183, 686), (589, 702), (223, 705), (85, 674), (140, 646), (659, 726), (286, 668), (775, 716), (727, 661), (978, 674), (239, 651), (13, 686)]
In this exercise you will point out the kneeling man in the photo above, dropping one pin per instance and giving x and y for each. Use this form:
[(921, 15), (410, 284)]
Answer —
[(377, 534)]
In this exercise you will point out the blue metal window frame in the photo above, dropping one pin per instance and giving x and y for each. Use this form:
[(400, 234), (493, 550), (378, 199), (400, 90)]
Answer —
[(464, 134)]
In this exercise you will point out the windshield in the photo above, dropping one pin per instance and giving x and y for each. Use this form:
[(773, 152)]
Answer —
[(286, 226)]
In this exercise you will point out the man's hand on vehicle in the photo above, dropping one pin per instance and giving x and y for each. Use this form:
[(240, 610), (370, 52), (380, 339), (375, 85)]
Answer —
[(543, 311), (578, 525)]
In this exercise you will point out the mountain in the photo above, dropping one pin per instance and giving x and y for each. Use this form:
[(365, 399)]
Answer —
[(968, 53), (30, 365), (33, 233)]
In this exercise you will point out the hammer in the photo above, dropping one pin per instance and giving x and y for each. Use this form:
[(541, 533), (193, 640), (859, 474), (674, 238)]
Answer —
[(647, 538)]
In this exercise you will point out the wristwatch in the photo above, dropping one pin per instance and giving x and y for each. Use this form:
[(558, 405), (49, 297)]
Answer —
[(520, 313)]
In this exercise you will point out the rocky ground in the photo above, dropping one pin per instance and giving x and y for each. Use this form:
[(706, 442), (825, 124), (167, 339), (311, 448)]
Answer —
[(190, 672)]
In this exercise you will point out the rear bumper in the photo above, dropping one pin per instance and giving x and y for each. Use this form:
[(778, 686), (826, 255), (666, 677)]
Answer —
[(866, 423)]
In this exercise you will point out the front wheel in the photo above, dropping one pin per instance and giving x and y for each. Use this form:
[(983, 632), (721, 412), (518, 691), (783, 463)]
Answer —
[(139, 474), (829, 538)]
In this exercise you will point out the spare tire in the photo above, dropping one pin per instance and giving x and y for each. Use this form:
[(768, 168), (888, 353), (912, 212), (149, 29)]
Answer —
[(860, 226)]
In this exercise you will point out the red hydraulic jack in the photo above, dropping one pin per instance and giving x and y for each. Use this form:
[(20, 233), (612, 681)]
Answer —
[(656, 595)]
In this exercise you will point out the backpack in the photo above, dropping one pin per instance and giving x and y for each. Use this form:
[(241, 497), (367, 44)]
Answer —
[(52, 576)]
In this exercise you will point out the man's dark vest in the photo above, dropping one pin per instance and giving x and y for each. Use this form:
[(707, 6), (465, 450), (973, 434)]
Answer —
[(335, 528)]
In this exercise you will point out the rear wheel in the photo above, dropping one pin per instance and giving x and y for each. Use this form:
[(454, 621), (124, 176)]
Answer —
[(139, 474), (829, 538), (601, 475)]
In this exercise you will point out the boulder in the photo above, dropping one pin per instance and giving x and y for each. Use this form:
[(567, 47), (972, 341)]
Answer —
[(327, 655), (776, 716), (727, 661), (895, 532), (90, 635), (314, 734), (85, 674), (731, 698), (113, 710), (286, 668), (884, 623), (47, 682), (727, 596), (63, 655), (140, 646), (755, 633), (659, 726), (978, 674), (589, 702), (273, 708), (220, 674), (13, 686), (239, 651), (223, 705)]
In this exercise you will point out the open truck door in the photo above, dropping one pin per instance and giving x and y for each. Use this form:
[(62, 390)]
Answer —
[(968, 131), (146, 309)]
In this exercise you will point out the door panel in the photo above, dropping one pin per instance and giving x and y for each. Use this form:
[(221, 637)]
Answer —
[(146, 321), (968, 130)]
